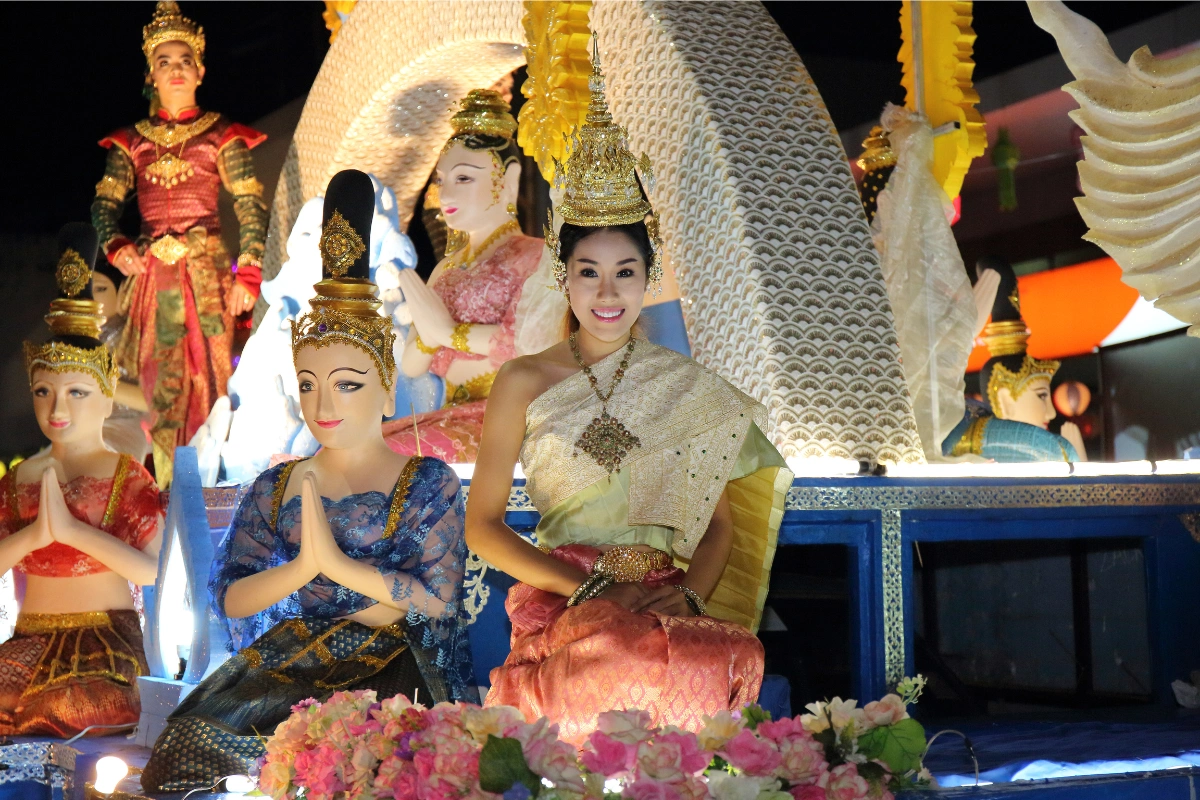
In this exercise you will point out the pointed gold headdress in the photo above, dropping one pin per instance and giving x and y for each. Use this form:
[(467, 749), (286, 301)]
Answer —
[(603, 184), (346, 308), (1007, 335), (75, 314), (484, 112), (169, 25)]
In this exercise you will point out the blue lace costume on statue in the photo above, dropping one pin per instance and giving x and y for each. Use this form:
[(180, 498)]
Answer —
[(422, 559), (1005, 441)]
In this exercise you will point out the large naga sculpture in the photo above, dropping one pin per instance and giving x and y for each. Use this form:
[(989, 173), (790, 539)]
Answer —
[(1141, 169)]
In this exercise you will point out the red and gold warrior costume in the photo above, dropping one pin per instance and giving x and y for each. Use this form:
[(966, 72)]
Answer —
[(179, 331)]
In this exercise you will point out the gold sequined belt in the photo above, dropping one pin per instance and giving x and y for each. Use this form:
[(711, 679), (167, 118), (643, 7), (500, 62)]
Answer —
[(625, 564), (32, 624), (477, 388)]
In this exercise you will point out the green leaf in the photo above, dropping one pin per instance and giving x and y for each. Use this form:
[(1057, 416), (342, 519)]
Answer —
[(900, 746), (502, 764), (754, 714)]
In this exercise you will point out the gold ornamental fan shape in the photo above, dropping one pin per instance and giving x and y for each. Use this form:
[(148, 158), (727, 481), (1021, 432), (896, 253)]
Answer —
[(341, 245), (72, 273)]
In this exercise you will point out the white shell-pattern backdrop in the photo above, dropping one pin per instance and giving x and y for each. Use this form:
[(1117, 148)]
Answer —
[(1141, 170), (780, 283)]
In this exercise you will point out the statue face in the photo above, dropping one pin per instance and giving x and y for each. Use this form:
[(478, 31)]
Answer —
[(69, 406), (466, 187), (606, 284), (104, 292), (341, 395), (175, 73), (1032, 407)]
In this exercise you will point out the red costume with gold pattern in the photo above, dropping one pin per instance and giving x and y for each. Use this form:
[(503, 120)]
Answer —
[(60, 673), (179, 332)]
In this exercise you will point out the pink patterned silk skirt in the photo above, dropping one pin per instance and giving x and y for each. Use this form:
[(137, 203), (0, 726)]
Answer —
[(449, 434), (570, 664)]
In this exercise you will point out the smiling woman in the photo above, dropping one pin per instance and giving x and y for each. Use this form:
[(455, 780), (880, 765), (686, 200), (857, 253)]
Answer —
[(357, 551)]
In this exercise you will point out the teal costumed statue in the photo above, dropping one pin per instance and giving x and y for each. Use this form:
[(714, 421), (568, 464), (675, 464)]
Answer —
[(1011, 425)]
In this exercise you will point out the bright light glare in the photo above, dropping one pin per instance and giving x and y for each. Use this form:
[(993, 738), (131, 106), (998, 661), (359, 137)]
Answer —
[(613, 786), (547, 783), (1177, 467), (820, 467), (240, 784), (110, 771), (1118, 468), (467, 471), (1041, 469)]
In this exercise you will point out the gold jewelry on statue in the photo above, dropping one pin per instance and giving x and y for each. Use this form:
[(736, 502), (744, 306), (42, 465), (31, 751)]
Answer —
[(484, 112), (877, 151), (249, 260), (458, 339), (464, 255), (511, 208), (345, 310), (72, 273), (625, 564), (424, 348), (1006, 338), (477, 388), (603, 184), (1016, 382), (58, 357), (341, 245), (693, 599), (606, 439), (169, 25)]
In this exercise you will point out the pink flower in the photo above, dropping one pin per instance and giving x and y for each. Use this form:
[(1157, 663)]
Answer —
[(548, 757), (750, 754), (317, 771), (887, 711), (778, 730), (671, 756), (649, 789), (807, 792), (631, 726), (275, 779), (846, 784), (803, 759), (399, 776), (607, 756)]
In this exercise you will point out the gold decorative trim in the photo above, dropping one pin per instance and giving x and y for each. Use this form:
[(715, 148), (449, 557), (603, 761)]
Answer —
[(246, 186), (173, 134), (34, 624), (341, 245), (477, 388), (58, 357), (118, 490), (110, 188), (1016, 382), (72, 273), (169, 250), (400, 497), (281, 482)]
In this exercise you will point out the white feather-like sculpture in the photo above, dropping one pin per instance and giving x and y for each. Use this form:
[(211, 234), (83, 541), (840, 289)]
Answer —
[(1141, 169)]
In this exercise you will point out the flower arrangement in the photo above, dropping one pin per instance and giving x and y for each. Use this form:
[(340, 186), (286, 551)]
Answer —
[(352, 747)]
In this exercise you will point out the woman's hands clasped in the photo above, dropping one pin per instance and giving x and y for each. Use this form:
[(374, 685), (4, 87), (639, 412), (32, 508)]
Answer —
[(639, 599)]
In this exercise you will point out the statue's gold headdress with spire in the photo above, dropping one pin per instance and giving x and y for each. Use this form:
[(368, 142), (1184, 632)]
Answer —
[(170, 25), (602, 183), (346, 308), (75, 319), (1006, 337)]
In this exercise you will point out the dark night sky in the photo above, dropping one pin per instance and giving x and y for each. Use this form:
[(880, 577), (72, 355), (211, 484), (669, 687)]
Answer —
[(61, 94)]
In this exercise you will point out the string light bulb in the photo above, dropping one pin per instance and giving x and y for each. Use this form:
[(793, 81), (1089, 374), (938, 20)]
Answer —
[(110, 771)]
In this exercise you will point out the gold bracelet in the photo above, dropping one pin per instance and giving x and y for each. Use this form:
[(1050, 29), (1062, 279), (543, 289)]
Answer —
[(458, 339), (424, 348)]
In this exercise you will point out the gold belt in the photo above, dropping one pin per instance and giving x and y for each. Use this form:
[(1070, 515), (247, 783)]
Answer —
[(170, 250), (625, 564), (31, 624), (477, 388)]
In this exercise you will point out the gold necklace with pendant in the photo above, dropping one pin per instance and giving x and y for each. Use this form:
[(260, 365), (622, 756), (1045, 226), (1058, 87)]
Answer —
[(169, 169), (606, 439), (464, 255)]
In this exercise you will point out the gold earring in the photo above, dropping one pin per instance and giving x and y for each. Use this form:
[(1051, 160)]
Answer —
[(199, 82), (511, 208)]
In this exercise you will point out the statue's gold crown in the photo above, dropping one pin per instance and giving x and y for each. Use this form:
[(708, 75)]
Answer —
[(346, 310), (1016, 382), (600, 177), (484, 112), (70, 316), (169, 25), (877, 151)]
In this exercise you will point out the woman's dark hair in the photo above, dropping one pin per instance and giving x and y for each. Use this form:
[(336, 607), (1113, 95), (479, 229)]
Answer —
[(569, 237), (504, 147)]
